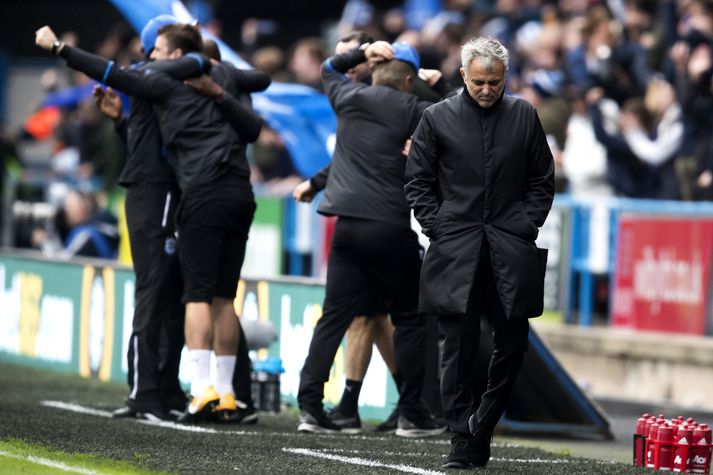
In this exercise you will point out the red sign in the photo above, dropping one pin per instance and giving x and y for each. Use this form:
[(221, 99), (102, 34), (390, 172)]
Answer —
[(662, 273)]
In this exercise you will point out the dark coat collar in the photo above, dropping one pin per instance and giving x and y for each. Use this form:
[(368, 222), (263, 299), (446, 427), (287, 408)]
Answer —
[(465, 95)]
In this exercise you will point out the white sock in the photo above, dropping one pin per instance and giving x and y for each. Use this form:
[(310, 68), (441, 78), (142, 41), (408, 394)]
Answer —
[(199, 363), (224, 369)]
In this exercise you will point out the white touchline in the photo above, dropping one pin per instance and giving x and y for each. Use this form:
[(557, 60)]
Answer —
[(426, 454), (498, 459), (76, 408), (205, 430), (360, 461), (66, 406), (165, 424), (48, 463)]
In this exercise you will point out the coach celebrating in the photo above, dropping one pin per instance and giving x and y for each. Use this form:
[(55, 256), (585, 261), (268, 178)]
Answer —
[(480, 179)]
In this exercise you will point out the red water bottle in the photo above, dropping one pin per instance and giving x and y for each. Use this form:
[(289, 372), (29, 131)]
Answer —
[(701, 449), (681, 450), (652, 446), (664, 459), (640, 440)]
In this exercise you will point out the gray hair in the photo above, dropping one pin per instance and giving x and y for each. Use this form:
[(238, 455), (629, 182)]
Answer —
[(488, 50)]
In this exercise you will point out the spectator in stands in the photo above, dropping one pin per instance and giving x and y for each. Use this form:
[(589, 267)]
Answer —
[(81, 228), (657, 142), (271, 166), (603, 60), (625, 173), (693, 70), (306, 61), (584, 159), (271, 61)]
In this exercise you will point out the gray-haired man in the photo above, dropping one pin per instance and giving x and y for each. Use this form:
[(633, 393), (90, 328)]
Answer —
[(480, 178)]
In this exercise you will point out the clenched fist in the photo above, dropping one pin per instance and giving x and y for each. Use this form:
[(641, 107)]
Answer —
[(45, 38)]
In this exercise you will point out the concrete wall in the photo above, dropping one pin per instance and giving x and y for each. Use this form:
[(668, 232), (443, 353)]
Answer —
[(659, 368)]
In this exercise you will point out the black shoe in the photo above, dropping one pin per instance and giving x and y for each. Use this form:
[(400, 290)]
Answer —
[(246, 415), (480, 446), (316, 421), (390, 424), (423, 426), (150, 410), (124, 412), (176, 406), (467, 453), (459, 456), (176, 402), (348, 423), (479, 453)]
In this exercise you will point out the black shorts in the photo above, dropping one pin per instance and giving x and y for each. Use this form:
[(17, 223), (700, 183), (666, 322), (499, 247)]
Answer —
[(211, 246)]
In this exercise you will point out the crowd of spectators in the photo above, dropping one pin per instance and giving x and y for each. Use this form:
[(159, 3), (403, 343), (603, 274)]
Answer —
[(623, 88)]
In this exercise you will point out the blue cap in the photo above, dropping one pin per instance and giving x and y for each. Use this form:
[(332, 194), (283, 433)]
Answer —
[(150, 31), (406, 53)]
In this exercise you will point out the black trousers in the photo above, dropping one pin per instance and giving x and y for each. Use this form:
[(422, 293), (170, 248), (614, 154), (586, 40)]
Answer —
[(370, 262), (242, 381), (461, 341), (157, 336)]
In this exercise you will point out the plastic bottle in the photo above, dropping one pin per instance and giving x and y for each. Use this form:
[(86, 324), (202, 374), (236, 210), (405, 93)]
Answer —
[(701, 449), (664, 457), (652, 446), (640, 440), (681, 450)]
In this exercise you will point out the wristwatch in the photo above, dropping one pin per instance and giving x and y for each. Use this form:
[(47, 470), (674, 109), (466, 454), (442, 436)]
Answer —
[(364, 46), (56, 46)]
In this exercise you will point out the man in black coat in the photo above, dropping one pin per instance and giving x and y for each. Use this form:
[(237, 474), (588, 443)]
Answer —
[(480, 179), (374, 255)]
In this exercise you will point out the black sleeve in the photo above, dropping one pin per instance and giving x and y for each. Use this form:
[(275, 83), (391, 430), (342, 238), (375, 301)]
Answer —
[(443, 89), (246, 123), (319, 180), (338, 87), (342, 63), (422, 188), (540, 190), (251, 81), (146, 84), (121, 128), (188, 66)]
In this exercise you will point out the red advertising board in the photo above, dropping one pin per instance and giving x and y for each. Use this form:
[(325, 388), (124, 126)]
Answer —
[(662, 274)]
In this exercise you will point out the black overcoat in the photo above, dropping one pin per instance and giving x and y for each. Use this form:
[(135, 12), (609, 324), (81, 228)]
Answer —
[(478, 173)]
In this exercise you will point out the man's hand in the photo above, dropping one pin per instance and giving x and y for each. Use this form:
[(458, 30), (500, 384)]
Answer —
[(108, 102), (379, 51), (430, 76), (593, 96), (407, 147), (45, 38), (705, 179), (206, 86), (304, 193)]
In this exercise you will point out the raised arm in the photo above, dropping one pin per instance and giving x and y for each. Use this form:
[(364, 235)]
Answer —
[(337, 86), (132, 82)]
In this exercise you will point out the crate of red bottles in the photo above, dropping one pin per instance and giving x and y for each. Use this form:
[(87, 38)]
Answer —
[(675, 445)]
